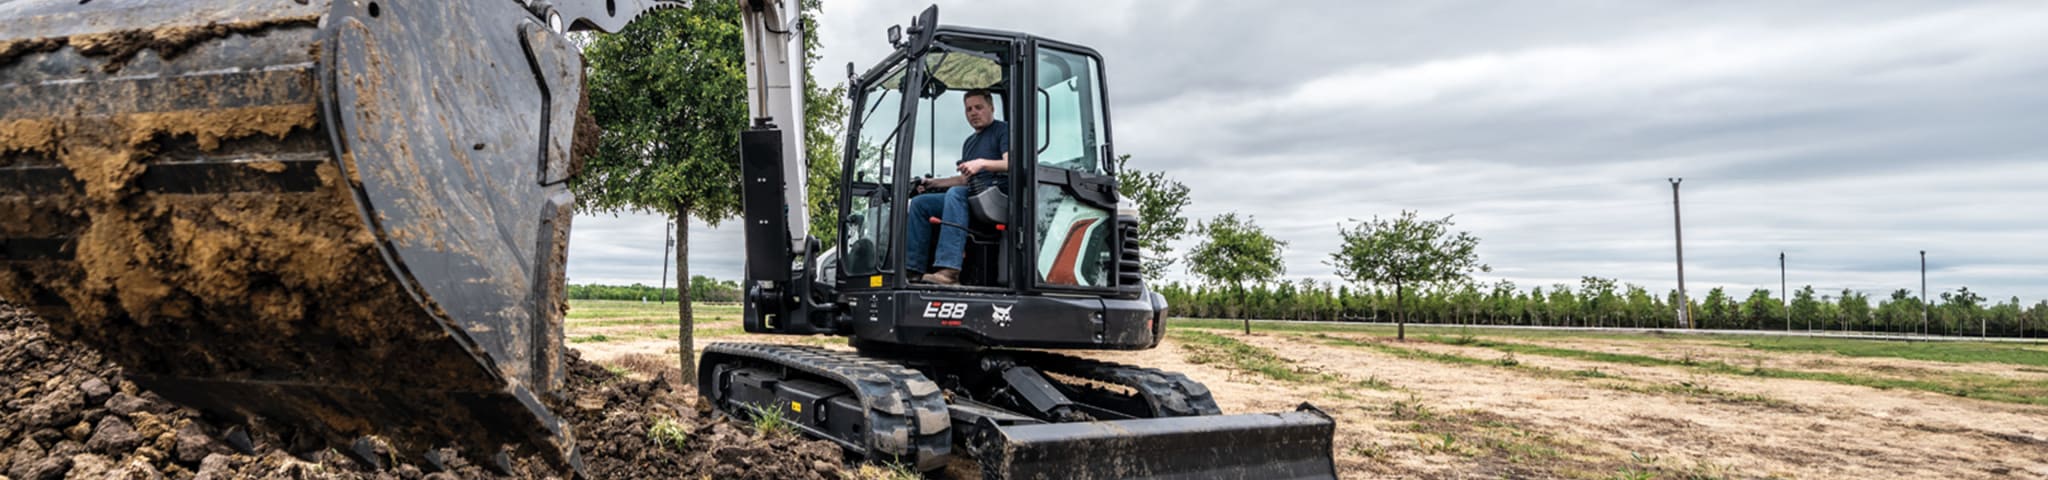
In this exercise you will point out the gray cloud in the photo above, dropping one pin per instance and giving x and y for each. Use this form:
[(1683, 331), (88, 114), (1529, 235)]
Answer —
[(1850, 136)]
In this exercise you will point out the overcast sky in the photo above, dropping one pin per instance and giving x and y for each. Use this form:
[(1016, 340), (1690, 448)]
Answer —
[(1849, 135)]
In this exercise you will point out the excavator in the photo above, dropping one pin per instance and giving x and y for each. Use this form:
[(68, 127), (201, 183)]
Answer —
[(350, 218)]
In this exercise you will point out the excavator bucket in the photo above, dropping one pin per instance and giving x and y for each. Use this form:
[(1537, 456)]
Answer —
[(1274, 446), (347, 219)]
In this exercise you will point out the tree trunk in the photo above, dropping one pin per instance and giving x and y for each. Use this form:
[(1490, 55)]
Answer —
[(685, 322), (1400, 317), (1247, 316)]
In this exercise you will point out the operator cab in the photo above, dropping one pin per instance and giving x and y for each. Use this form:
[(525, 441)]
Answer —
[(1050, 260), (1052, 228)]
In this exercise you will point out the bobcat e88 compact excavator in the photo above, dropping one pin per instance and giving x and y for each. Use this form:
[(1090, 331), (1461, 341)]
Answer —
[(349, 218)]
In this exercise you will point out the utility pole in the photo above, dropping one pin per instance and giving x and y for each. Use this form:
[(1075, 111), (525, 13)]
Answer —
[(1923, 292), (668, 239), (1783, 297), (1678, 231)]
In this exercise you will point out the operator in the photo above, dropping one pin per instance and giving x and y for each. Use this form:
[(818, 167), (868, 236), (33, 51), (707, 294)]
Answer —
[(984, 163)]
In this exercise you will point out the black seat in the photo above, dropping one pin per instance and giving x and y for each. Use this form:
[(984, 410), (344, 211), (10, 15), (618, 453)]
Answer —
[(989, 216), (990, 207)]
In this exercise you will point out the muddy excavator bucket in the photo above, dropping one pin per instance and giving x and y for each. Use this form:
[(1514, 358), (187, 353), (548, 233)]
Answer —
[(1264, 446), (347, 219)]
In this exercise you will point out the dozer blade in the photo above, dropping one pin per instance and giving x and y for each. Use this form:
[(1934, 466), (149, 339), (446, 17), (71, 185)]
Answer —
[(345, 218), (1290, 445)]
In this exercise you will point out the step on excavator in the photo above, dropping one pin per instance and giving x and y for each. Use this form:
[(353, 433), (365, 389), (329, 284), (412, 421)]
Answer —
[(350, 218)]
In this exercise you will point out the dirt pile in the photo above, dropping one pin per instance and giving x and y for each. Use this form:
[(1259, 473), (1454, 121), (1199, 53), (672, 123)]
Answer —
[(66, 412)]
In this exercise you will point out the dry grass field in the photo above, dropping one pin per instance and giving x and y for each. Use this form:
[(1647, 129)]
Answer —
[(1478, 403)]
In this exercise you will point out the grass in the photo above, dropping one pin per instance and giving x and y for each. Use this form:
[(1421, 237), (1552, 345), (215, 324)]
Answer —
[(1952, 352), (1689, 389), (632, 312), (1207, 348), (1986, 387), (770, 422), (1591, 373), (1406, 353), (1372, 451), (1210, 348), (608, 316), (667, 432), (1471, 433), (892, 471)]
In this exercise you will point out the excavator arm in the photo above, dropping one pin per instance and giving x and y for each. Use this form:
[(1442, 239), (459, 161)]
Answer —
[(347, 218)]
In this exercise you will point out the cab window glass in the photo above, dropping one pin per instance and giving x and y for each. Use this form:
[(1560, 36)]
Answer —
[(1070, 112), (868, 205)]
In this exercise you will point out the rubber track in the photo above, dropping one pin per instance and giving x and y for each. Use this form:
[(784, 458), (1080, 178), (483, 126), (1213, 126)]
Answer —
[(1171, 394), (907, 416)]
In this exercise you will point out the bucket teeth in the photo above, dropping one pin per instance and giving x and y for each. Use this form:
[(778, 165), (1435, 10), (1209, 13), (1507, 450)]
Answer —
[(434, 461), (237, 438), (502, 464), (370, 452)]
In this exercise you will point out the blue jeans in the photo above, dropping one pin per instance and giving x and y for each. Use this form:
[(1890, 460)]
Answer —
[(952, 248)]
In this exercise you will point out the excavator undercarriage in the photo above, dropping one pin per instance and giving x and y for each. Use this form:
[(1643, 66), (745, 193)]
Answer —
[(1016, 414)]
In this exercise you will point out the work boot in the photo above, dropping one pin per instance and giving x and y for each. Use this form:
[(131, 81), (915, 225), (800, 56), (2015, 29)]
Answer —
[(943, 276)]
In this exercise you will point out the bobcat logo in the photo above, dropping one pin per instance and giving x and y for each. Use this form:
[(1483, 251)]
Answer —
[(1002, 314)]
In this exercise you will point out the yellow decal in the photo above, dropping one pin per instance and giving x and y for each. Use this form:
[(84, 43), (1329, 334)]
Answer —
[(875, 281), (798, 407)]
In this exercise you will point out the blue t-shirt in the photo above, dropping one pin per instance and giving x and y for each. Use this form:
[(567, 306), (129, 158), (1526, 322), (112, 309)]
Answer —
[(990, 142)]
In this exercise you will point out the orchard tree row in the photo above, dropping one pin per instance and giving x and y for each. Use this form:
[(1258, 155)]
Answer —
[(702, 290), (1412, 269), (1601, 302)]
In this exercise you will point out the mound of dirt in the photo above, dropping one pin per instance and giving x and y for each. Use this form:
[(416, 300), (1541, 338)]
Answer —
[(66, 412)]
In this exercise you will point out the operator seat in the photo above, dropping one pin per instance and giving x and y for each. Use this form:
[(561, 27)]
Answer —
[(988, 218), (990, 207)]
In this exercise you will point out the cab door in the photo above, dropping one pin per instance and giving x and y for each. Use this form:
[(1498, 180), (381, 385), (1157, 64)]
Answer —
[(869, 220), (1072, 241)]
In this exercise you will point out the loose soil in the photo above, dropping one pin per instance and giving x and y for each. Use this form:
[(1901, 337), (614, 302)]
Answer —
[(1689, 423), (68, 413)]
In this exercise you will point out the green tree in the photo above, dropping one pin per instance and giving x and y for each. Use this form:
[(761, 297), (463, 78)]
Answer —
[(1404, 251), (2036, 316), (1720, 310), (1902, 312), (1641, 306), (1563, 305), (1960, 308), (1160, 199), (1855, 308), (1806, 310), (1596, 295), (1234, 252), (1761, 309), (669, 93), (1505, 304)]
